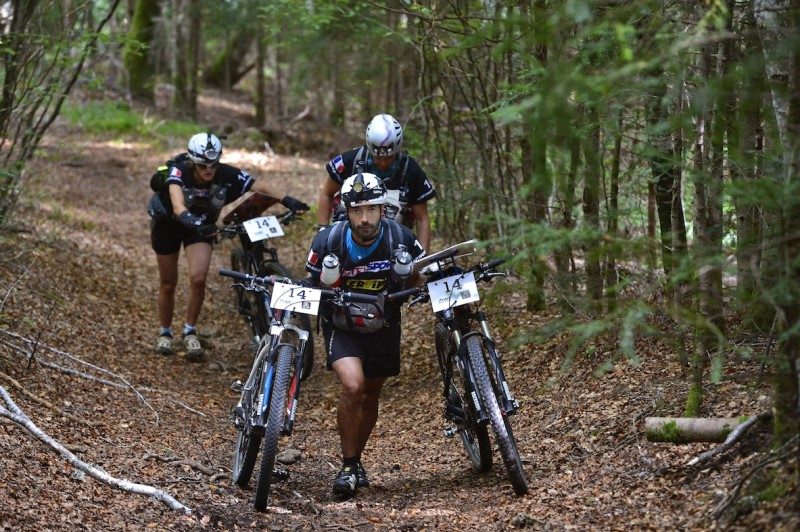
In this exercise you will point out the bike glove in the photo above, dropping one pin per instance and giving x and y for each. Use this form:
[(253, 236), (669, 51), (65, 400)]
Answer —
[(294, 204), (193, 223)]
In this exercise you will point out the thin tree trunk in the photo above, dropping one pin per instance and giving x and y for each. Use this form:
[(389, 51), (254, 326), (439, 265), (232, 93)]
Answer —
[(613, 218), (260, 100), (136, 56), (591, 209)]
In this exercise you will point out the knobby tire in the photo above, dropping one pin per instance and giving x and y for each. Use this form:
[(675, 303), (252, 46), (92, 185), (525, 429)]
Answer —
[(276, 268), (500, 425), (277, 415), (247, 441), (474, 437)]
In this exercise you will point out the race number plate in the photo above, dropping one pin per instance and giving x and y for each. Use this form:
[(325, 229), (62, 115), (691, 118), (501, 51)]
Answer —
[(295, 298), (453, 291), (263, 227)]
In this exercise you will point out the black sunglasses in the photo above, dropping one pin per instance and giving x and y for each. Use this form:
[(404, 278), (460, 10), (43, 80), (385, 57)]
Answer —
[(204, 166)]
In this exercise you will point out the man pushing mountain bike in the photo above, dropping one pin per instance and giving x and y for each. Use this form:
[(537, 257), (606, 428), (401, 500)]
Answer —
[(366, 253)]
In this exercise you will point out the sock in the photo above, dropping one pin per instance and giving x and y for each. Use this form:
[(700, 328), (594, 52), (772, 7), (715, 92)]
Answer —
[(165, 331), (189, 329), (352, 461)]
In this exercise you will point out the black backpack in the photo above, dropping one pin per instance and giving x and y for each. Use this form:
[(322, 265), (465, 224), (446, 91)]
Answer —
[(158, 182), (335, 242)]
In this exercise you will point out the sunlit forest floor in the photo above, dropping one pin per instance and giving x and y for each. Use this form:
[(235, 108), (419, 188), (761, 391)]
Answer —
[(77, 274)]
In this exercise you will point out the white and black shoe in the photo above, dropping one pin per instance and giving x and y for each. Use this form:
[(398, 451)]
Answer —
[(346, 482)]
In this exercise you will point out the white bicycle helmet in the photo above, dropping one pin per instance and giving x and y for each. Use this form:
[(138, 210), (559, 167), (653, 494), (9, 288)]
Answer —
[(384, 136), (363, 189), (204, 148)]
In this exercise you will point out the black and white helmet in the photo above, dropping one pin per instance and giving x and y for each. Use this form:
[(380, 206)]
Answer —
[(363, 189), (205, 148), (384, 136)]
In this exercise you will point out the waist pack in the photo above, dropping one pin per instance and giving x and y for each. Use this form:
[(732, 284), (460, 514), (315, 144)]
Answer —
[(156, 208), (365, 318)]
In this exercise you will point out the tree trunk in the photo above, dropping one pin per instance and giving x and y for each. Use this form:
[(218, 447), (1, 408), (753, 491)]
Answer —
[(591, 209), (664, 170), (231, 64), (613, 218), (745, 172), (787, 376), (690, 429), (260, 100), (136, 56)]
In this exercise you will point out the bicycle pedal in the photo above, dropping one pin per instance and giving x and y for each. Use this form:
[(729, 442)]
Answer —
[(449, 432), (280, 473), (237, 417), (236, 386)]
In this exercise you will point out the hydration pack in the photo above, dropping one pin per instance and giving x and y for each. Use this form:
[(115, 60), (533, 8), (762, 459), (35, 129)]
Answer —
[(158, 181)]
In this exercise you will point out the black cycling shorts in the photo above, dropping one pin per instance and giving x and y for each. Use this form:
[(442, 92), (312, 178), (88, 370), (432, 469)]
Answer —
[(379, 352), (166, 236)]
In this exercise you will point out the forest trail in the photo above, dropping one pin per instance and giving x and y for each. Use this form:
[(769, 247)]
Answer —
[(80, 277)]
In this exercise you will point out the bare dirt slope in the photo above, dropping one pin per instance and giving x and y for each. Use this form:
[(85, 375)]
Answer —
[(79, 277)]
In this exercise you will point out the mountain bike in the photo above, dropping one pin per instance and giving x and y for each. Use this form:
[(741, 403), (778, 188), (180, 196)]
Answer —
[(255, 257), (476, 392), (267, 407)]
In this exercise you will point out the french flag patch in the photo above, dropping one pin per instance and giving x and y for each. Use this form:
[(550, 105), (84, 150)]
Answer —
[(338, 164), (313, 258), (175, 172)]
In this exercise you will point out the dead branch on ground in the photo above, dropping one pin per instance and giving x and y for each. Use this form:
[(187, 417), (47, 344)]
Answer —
[(38, 400), (15, 414), (735, 435)]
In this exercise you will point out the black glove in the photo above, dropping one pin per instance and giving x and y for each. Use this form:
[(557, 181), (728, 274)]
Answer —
[(294, 204), (193, 223)]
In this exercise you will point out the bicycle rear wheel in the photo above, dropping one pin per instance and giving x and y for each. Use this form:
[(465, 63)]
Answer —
[(275, 421), (474, 437), (500, 424), (276, 268), (248, 440), (249, 305)]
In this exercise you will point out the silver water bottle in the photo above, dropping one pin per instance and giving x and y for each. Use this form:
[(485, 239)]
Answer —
[(403, 263), (330, 270)]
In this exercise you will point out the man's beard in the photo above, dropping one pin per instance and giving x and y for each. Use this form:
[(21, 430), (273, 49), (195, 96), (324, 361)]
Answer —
[(367, 232)]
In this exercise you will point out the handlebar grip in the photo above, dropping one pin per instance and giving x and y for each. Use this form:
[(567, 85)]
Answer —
[(360, 298), (402, 294), (234, 274), (495, 263)]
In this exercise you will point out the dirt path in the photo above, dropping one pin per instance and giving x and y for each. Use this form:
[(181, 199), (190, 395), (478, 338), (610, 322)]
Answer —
[(82, 280)]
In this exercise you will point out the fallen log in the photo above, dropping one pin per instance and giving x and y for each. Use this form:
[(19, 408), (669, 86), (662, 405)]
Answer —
[(690, 429)]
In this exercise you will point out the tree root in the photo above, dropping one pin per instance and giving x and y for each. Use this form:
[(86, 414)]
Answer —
[(15, 414)]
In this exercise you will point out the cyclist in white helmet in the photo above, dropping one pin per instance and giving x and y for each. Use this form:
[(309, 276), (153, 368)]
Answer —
[(408, 187), (362, 340), (197, 187)]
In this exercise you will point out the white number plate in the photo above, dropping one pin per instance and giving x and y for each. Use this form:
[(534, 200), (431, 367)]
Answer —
[(263, 227), (295, 298), (453, 291)]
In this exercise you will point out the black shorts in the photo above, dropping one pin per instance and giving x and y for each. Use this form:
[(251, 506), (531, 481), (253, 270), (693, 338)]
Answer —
[(379, 352), (167, 235)]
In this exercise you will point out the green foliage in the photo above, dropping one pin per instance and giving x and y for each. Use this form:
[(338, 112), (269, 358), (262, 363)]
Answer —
[(119, 119)]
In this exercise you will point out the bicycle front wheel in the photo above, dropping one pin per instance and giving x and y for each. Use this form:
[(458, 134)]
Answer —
[(247, 439), (275, 421), (500, 425), (474, 437)]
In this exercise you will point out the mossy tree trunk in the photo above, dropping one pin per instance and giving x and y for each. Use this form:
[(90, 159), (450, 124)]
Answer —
[(135, 55)]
